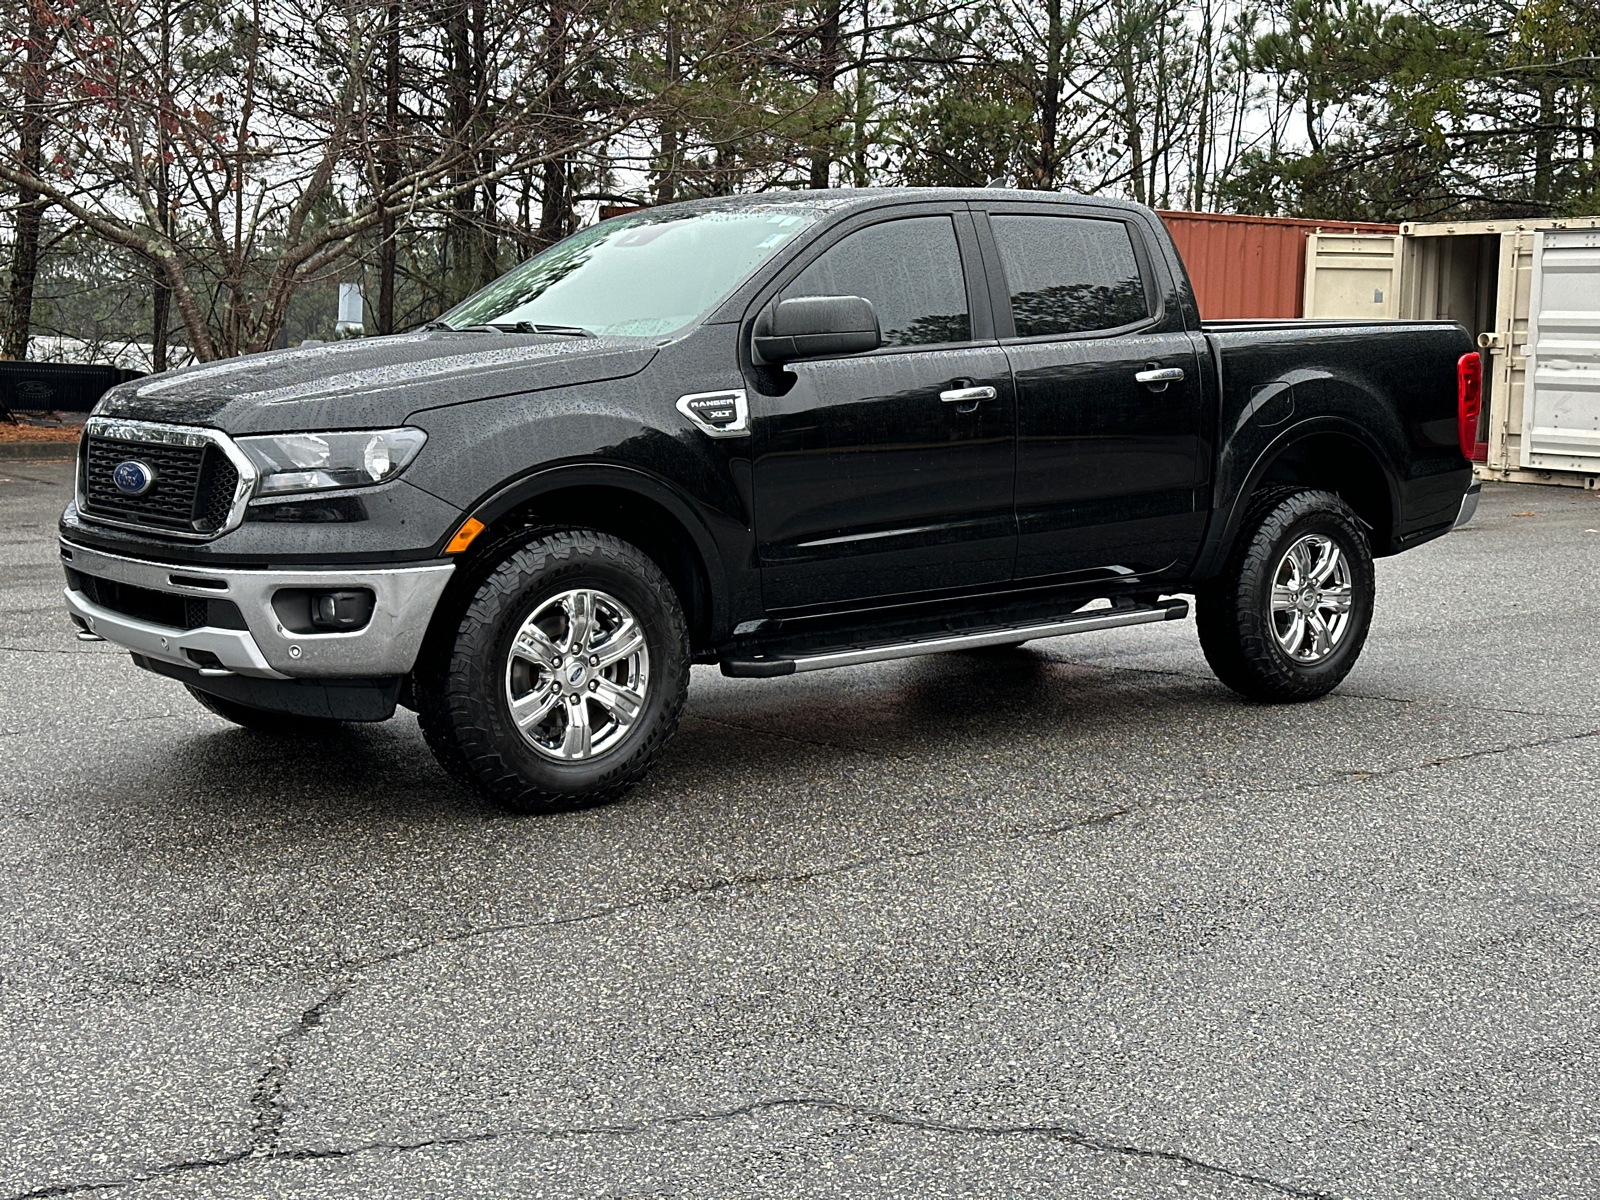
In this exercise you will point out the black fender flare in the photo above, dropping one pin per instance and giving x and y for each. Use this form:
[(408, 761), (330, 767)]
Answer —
[(619, 477), (1227, 517)]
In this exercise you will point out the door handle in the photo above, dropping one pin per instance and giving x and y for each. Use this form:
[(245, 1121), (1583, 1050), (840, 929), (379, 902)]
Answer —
[(1157, 378), (968, 395)]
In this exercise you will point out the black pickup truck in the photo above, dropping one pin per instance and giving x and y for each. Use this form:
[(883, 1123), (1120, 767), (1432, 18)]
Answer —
[(777, 433)]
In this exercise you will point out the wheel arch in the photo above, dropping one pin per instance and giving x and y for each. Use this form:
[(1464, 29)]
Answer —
[(625, 502), (1332, 455)]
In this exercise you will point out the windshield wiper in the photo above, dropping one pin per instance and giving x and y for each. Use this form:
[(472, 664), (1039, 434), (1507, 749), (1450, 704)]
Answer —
[(530, 327), (510, 327), (441, 327)]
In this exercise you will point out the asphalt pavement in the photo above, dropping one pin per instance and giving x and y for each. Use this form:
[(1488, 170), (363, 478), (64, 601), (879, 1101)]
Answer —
[(1065, 921)]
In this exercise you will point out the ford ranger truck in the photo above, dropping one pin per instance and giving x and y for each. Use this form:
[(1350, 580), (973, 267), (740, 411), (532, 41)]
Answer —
[(777, 433)]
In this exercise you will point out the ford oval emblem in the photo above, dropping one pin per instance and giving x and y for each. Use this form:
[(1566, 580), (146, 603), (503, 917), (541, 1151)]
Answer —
[(133, 478)]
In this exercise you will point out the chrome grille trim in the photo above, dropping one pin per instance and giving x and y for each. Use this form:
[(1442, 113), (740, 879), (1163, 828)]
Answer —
[(116, 429)]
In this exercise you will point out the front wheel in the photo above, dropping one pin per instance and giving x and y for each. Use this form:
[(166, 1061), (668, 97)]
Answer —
[(566, 678), (1287, 619)]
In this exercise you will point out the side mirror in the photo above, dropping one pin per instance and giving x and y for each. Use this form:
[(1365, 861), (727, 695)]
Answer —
[(816, 327)]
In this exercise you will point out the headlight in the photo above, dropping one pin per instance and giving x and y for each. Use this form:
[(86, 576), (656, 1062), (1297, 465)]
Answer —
[(314, 462)]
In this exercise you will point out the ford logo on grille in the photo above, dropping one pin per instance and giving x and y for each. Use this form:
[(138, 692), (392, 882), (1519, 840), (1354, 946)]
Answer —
[(133, 478)]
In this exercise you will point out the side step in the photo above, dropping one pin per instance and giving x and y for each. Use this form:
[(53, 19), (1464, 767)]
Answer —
[(769, 666)]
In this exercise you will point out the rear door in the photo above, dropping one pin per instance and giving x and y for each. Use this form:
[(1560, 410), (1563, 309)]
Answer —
[(1561, 396), (1110, 395), (873, 478)]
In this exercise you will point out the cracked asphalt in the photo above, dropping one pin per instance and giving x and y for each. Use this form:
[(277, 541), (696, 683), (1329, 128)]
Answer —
[(1064, 921)]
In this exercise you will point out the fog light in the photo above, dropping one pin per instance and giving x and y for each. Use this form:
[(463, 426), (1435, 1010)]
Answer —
[(341, 610)]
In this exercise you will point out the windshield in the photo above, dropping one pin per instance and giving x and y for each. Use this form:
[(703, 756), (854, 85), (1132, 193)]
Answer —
[(633, 277)]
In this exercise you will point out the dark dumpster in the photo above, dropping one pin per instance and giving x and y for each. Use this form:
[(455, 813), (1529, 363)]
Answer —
[(56, 387)]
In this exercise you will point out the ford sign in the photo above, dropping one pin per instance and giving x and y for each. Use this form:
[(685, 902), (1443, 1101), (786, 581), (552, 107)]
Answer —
[(133, 478)]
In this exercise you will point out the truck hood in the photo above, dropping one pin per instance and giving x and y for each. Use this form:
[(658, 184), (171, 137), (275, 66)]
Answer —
[(369, 383)]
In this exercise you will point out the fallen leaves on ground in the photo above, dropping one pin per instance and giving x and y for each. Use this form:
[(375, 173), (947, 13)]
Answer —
[(38, 433)]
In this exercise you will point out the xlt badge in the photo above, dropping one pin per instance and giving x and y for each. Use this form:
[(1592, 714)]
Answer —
[(718, 414)]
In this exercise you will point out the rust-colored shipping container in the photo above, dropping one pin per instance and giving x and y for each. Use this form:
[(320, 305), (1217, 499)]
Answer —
[(1251, 266)]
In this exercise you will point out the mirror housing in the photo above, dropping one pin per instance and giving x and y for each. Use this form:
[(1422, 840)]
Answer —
[(815, 327)]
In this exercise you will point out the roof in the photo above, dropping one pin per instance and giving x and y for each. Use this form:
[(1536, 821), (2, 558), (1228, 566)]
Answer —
[(835, 200)]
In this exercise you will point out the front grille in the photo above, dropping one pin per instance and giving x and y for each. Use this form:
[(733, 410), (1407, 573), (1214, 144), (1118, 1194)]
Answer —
[(219, 478), (192, 493), (159, 608)]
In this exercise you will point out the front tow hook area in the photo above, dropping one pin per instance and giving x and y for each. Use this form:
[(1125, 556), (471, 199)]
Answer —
[(229, 651), (85, 634)]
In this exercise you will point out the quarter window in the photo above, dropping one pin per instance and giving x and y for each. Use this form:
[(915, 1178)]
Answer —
[(1070, 274), (911, 271)]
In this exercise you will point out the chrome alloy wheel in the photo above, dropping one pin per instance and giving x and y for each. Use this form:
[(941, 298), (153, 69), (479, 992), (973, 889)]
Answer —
[(577, 675), (1311, 599)]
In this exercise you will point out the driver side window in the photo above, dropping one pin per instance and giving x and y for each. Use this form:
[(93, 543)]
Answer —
[(911, 271)]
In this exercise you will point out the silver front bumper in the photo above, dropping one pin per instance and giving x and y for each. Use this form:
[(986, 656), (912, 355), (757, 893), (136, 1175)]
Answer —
[(387, 646), (1469, 504)]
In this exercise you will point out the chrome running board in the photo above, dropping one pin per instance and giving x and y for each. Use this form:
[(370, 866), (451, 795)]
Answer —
[(765, 667)]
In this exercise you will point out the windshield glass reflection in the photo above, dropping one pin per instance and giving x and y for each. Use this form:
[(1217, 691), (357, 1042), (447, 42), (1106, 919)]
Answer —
[(641, 276)]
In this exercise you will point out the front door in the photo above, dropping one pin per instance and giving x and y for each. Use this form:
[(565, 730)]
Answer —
[(1110, 464), (889, 473)]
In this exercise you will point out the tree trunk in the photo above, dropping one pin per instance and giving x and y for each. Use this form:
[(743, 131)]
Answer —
[(387, 250), (1049, 165), (237, 311), (1544, 139), (488, 248), (1315, 72), (861, 174), (30, 204), (1208, 92), (829, 46), (460, 274), (194, 320), (161, 301), (667, 176), (555, 204), (1132, 127), (162, 304), (160, 291), (1160, 121)]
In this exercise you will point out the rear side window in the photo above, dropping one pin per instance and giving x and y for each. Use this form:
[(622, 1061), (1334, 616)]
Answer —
[(911, 271), (1070, 274)]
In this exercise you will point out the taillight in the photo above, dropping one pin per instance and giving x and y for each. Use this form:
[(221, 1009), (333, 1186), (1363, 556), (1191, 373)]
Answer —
[(1469, 400)]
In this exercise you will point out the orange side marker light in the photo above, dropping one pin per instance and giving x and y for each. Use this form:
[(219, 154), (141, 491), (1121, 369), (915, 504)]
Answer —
[(463, 538)]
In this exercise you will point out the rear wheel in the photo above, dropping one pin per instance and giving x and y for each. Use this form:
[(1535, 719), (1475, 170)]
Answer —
[(1287, 619), (566, 678), (263, 720)]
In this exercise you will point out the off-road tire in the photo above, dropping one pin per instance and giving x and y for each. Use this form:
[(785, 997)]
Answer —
[(262, 720), (1234, 612), (461, 701)]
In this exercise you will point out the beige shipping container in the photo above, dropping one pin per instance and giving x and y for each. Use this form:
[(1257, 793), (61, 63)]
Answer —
[(1528, 291), (1353, 275)]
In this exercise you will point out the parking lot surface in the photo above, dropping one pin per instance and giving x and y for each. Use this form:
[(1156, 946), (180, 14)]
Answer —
[(1070, 920)]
